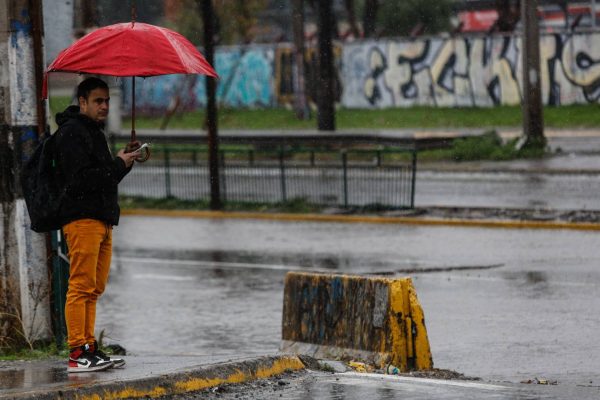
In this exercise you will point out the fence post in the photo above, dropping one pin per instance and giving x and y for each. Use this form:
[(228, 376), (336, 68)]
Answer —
[(413, 177), (379, 158), (282, 174), (345, 176), (167, 173), (223, 183), (251, 157), (60, 283)]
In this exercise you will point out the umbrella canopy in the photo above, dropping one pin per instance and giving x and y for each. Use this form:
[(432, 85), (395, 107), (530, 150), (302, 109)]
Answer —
[(131, 49)]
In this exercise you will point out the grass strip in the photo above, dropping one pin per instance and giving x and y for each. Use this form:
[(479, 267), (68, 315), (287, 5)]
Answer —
[(571, 116)]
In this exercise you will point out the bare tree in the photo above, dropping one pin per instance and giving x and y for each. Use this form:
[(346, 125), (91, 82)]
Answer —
[(300, 103), (352, 18), (370, 17)]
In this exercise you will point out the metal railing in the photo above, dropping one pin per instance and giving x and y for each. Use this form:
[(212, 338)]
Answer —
[(344, 178)]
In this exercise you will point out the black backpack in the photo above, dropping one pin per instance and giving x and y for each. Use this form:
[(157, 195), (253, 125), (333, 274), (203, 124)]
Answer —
[(43, 187)]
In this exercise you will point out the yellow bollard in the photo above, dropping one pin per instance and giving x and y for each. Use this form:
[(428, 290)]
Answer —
[(374, 320)]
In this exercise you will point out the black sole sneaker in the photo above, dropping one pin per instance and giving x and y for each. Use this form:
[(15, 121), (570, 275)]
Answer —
[(116, 362), (81, 360)]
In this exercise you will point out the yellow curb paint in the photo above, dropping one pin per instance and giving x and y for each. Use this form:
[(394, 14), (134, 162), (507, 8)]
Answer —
[(278, 366), (582, 226), (196, 384), (127, 393)]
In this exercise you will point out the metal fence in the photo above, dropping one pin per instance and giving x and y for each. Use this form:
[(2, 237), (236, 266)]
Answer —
[(345, 178)]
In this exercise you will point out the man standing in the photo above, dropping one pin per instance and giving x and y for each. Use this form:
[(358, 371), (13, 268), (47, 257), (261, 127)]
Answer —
[(87, 213)]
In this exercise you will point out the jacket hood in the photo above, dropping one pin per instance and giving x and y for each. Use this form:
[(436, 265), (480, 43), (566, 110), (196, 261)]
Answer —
[(73, 112), (69, 113)]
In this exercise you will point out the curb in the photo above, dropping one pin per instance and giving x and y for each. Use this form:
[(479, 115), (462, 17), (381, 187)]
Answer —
[(480, 223), (190, 380)]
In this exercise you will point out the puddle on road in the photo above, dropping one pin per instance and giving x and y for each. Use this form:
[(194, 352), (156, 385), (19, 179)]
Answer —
[(34, 375)]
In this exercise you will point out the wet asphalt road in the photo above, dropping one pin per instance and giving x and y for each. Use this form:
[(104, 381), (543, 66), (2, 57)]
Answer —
[(503, 305), (508, 190), (353, 386)]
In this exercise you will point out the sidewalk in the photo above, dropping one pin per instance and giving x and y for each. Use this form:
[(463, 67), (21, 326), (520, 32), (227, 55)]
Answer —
[(141, 377)]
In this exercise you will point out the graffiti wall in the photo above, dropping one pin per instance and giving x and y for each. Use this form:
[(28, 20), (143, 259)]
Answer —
[(441, 72), (467, 71), (245, 80)]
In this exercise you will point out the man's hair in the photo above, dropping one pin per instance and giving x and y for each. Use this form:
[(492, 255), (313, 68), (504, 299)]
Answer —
[(84, 88)]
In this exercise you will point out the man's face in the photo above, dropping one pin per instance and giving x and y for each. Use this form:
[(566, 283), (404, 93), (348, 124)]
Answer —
[(96, 105)]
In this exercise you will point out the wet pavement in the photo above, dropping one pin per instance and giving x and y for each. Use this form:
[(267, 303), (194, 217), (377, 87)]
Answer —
[(23, 377), (504, 305), (500, 304)]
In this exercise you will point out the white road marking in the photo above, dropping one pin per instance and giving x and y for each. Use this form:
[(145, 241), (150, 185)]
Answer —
[(423, 381)]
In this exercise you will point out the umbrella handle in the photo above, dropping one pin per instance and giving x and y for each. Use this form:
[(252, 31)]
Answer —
[(133, 138)]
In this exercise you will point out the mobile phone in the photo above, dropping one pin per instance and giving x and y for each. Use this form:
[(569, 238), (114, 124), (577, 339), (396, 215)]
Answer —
[(138, 150)]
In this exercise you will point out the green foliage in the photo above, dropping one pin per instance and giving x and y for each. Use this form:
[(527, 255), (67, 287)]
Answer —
[(489, 146), (572, 116), (40, 351), (399, 18), (583, 115), (236, 21)]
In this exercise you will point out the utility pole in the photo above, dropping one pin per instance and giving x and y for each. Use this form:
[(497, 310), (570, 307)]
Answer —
[(208, 18), (325, 90), (300, 104), (24, 283), (533, 120)]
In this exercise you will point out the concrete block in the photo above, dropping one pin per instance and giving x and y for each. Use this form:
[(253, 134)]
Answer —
[(371, 319)]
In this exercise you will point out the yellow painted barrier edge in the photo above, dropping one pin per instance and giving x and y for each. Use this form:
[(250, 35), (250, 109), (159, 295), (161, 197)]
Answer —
[(528, 224), (279, 366)]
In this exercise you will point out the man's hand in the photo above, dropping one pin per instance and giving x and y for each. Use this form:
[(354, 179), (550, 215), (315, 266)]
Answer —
[(132, 146), (127, 157)]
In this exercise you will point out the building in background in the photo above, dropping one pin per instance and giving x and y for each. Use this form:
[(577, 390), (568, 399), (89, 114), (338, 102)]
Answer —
[(555, 15)]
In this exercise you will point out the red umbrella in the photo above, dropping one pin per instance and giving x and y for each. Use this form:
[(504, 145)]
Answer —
[(131, 49)]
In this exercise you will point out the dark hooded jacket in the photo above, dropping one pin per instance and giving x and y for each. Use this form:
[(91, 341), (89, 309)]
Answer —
[(89, 171)]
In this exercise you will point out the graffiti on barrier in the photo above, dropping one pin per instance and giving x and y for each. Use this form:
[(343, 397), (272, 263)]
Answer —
[(467, 71), (245, 80)]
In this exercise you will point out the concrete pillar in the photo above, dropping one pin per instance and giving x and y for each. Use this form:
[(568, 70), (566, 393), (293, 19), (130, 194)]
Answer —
[(24, 280)]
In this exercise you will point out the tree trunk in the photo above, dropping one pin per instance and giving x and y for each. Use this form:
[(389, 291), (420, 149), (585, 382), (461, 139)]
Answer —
[(533, 121), (211, 105), (326, 101), (370, 17), (300, 103)]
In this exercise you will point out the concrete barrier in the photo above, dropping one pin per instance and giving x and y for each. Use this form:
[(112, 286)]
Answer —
[(375, 320)]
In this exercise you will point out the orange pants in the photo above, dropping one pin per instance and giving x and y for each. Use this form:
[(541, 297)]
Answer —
[(90, 251)]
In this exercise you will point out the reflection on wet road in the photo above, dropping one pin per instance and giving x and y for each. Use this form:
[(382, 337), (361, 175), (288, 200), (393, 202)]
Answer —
[(29, 375), (504, 305)]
